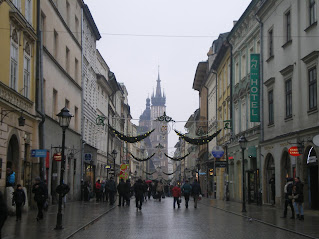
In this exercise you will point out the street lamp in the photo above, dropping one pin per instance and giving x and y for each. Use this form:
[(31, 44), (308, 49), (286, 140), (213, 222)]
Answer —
[(243, 142), (114, 153), (64, 121)]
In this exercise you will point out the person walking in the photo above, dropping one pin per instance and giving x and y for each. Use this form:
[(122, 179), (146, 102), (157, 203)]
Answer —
[(196, 191), (288, 198), (3, 211), (121, 191), (127, 193), (18, 200), (40, 196), (272, 183), (11, 178), (139, 193), (98, 190), (298, 198), (176, 192), (159, 190), (112, 190), (186, 191)]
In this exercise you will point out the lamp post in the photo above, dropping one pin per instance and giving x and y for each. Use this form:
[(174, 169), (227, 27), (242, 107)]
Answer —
[(64, 121), (114, 153), (243, 142)]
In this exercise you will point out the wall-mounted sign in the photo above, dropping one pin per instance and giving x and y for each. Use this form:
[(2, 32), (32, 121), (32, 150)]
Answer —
[(218, 152), (87, 157), (42, 153), (57, 157), (254, 88), (293, 151)]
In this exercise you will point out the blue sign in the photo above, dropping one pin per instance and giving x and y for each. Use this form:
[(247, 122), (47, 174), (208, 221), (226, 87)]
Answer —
[(42, 153), (88, 157), (218, 152)]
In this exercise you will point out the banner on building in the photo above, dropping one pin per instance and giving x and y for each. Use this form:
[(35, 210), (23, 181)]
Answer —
[(254, 88), (124, 173)]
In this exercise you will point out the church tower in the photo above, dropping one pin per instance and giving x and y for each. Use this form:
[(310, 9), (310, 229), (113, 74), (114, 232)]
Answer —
[(155, 107)]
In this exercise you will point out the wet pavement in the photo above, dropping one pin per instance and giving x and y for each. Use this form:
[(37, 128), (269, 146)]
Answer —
[(76, 215), (159, 220), (212, 219)]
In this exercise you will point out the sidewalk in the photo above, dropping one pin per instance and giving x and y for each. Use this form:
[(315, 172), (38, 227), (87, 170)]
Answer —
[(76, 215), (271, 215)]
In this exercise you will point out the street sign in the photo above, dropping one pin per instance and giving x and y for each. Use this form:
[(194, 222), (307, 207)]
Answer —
[(42, 153), (220, 164), (218, 152), (293, 151), (57, 157), (88, 157), (202, 173)]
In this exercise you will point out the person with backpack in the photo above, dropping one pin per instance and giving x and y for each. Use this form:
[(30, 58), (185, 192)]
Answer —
[(111, 188), (18, 200), (121, 189), (139, 193), (186, 190), (40, 196), (196, 191)]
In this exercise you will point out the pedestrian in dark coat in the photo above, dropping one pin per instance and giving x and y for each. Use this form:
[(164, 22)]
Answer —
[(40, 196), (299, 198), (272, 183), (3, 211), (127, 194), (18, 200), (196, 191), (139, 193), (121, 191), (186, 190), (112, 190), (288, 190)]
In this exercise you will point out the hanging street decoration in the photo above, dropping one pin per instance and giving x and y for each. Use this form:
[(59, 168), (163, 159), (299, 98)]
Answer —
[(165, 118), (159, 146), (130, 139), (170, 173), (149, 173), (197, 141), (177, 159), (141, 160)]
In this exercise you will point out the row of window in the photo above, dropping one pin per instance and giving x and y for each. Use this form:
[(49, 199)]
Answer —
[(27, 9), (312, 96)]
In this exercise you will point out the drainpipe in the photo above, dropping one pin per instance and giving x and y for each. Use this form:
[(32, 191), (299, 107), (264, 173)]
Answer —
[(82, 105), (261, 99), (207, 145), (39, 89)]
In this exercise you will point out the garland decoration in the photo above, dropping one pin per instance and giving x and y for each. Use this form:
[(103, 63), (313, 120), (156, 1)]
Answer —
[(130, 139), (197, 141), (149, 173), (170, 173), (141, 160), (177, 159)]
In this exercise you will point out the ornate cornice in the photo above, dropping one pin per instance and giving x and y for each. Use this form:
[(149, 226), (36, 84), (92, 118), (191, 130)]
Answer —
[(14, 98)]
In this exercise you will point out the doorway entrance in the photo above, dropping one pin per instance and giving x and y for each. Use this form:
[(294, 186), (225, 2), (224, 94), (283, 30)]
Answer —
[(270, 173), (13, 157), (312, 177)]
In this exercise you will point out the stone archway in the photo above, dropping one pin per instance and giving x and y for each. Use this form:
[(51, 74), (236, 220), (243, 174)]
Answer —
[(269, 172), (13, 161), (311, 178)]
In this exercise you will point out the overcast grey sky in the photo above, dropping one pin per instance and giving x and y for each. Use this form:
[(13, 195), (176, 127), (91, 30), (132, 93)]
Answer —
[(180, 33)]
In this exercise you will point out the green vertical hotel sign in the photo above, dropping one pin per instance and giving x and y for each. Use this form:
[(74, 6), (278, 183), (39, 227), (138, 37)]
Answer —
[(254, 88)]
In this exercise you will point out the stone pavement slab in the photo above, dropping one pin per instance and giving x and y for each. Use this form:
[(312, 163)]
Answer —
[(272, 215), (75, 216)]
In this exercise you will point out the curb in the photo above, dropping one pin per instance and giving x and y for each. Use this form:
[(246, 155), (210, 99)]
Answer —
[(260, 221), (90, 223)]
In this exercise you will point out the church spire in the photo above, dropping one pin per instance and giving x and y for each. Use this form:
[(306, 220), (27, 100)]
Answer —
[(158, 99), (158, 87)]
